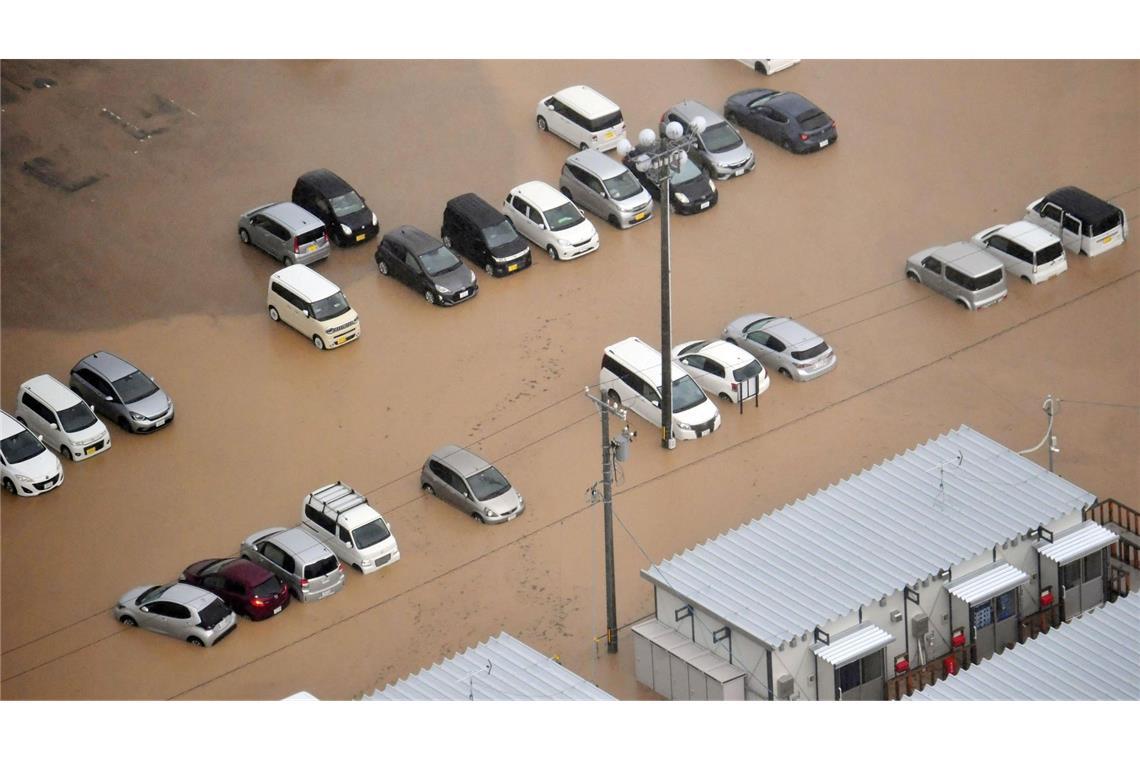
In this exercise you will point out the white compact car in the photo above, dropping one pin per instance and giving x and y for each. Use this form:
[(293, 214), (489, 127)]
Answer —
[(64, 421), (722, 369), (582, 116), (1025, 250), (27, 468), (550, 220)]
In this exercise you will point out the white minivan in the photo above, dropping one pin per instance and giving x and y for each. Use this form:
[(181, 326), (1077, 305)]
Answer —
[(64, 421), (550, 220), (631, 376), (1084, 223), (313, 306), (346, 523), (1026, 250), (582, 116), (27, 468)]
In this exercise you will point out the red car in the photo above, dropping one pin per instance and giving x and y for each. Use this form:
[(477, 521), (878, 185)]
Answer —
[(248, 589)]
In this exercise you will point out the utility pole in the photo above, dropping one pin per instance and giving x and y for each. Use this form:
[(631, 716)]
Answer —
[(608, 452), (667, 439)]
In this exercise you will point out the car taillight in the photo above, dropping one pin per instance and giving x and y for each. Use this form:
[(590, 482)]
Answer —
[(803, 136), (257, 601), (326, 236), (296, 245), (734, 386), (304, 582), (340, 567)]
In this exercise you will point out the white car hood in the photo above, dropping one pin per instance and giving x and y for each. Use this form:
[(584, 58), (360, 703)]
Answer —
[(698, 415), (579, 233), (39, 468)]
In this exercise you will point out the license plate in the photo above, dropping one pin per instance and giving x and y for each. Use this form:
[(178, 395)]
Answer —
[(89, 450), (360, 237), (312, 248), (276, 610), (639, 217), (609, 135), (463, 294), (1107, 240), (340, 340), (512, 267), (160, 423), (326, 593), (704, 205), (824, 143), (739, 172)]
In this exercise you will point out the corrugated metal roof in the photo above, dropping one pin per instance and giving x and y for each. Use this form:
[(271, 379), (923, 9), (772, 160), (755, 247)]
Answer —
[(822, 557), (1076, 542), (1096, 656), (863, 640), (987, 583), (502, 669)]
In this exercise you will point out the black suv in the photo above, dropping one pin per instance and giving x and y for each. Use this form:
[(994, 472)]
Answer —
[(425, 264), (333, 201), (479, 231)]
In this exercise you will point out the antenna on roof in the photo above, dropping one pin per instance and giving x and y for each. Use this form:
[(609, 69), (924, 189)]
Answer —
[(941, 467)]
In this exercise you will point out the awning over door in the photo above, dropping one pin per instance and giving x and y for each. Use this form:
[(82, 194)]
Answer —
[(987, 583), (850, 646), (1075, 543)]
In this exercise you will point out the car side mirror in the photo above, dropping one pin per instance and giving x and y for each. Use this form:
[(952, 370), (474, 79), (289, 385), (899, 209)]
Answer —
[(92, 407), (108, 398), (348, 544), (305, 312), (541, 226), (54, 426), (145, 608), (549, 106), (152, 379), (40, 437), (657, 403)]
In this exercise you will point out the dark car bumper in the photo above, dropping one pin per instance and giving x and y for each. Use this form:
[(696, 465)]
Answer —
[(451, 299), (268, 611), (696, 205), (510, 267), (815, 143), (358, 235)]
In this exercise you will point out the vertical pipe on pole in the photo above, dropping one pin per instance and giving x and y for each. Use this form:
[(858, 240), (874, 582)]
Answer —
[(608, 513)]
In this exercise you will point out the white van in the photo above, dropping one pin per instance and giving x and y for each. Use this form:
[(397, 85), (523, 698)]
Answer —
[(64, 421), (313, 306), (27, 468), (582, 116), (631, 376), (347, 524), (1026, 250), (1084, 223)]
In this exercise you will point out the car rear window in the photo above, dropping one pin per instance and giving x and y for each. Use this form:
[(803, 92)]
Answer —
[(271, 586), (214, 613), (810, 353), (748, 371), (321, 567), (1106, 223), (1049, 253), (986, 280), (814, 119), (604, 122), (311, 236)]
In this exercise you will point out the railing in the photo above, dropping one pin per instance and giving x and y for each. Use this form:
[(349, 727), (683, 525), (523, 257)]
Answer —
[(915, 679), (1038, 622), (1119, 581), (1108, 511)]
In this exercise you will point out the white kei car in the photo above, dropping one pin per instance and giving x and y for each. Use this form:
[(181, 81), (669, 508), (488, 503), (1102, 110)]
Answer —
[(65, 422), (550, 220), (722, 369), (1025, 250)]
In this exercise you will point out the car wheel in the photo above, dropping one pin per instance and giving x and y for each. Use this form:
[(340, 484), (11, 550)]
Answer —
[(1026, 279), (760, 68), (785, 373), (730, 340), (243, 235), (428, 489), (320, 344), (478, 518), (613, 397), (128, 621), (553, 253), (614, 221), (122, 421), (273, 314), (195, 641), (66, 452), (566, 191), (9, 486), (382, 265), (429, 296), (357, 569), (290, 261), (541, 124), (964, 305), (489, 269), (911, 276), (725, 397)]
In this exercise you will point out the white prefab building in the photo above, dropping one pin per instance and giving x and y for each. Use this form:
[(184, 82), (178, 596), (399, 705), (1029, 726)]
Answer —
[(942, 551), (500, 669), (1096, 656)]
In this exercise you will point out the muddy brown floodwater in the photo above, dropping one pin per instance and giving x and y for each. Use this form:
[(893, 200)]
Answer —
[(121, 188)]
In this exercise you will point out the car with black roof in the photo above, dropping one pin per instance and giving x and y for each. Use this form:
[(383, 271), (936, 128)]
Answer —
[(690, 187), (336, 203), (426, 265), (477, 230), (1083, 222)]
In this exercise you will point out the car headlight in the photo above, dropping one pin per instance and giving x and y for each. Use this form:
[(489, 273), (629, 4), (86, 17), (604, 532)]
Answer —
[(346, 229), (375, 221), (137, 417), (681, 198), (487, 511), (442, 289), (683, 426), (562, 241), (712, 187), (23, 478)]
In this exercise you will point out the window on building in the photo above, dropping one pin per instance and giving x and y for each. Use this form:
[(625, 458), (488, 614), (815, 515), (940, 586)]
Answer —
[(982, 616), (1071, 574), (1093, 566), (1006, 605)]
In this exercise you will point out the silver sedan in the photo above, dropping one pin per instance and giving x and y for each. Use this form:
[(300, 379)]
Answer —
[(782, 345), (179, 610)]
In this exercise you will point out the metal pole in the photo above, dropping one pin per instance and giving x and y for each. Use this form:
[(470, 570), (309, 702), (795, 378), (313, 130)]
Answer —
[(608, 512), (667, 439)]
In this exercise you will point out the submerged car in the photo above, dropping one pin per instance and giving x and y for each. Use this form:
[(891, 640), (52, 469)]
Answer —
[(179, 610), (1026, 250), (690, 188), (722, 369), (299, 558), (604, 186), (471, 484), (26, 465), (425, 265), (65, 422), (335, 202), (720, 148), (476, 229), (1090, 225), (963, 272), (248, 589), (783, 345), (786, 118), (550, 220), (122, 392), (286, 232)]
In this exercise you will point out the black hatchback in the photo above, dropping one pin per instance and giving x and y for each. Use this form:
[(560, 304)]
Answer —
[(476, 229), (786, 118), (425, 264), (333, 201), (692, 189)]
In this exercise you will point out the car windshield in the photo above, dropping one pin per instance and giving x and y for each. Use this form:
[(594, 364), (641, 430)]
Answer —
[(321, 567), (623, 186), (370, 534), (499, 234), (213, 613), (78, 417), (686, 394), (748, 371), (271, 586), (134, 387), (20, 447), (810, 353), (438, 261), (488, 484), (328, 308), (1049, 253), (150, 594), (346, 204), (563, 217), (813, 119), (720, 137), (688, 172)]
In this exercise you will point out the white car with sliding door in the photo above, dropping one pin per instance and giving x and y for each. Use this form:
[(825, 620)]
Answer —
[(27, 468), (65, 422), (582, 116), (722, 369), (550, 220), (1025, 250)]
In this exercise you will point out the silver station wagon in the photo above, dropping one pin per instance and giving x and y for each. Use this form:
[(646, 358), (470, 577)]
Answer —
[(783, 345), (299, 558), (962, 272), (471, 484)]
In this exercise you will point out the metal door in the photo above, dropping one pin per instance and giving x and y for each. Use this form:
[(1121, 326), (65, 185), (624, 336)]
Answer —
[(1071, 588), (982, 626), (1066, 227), (1092, 585), (1005, 617)]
